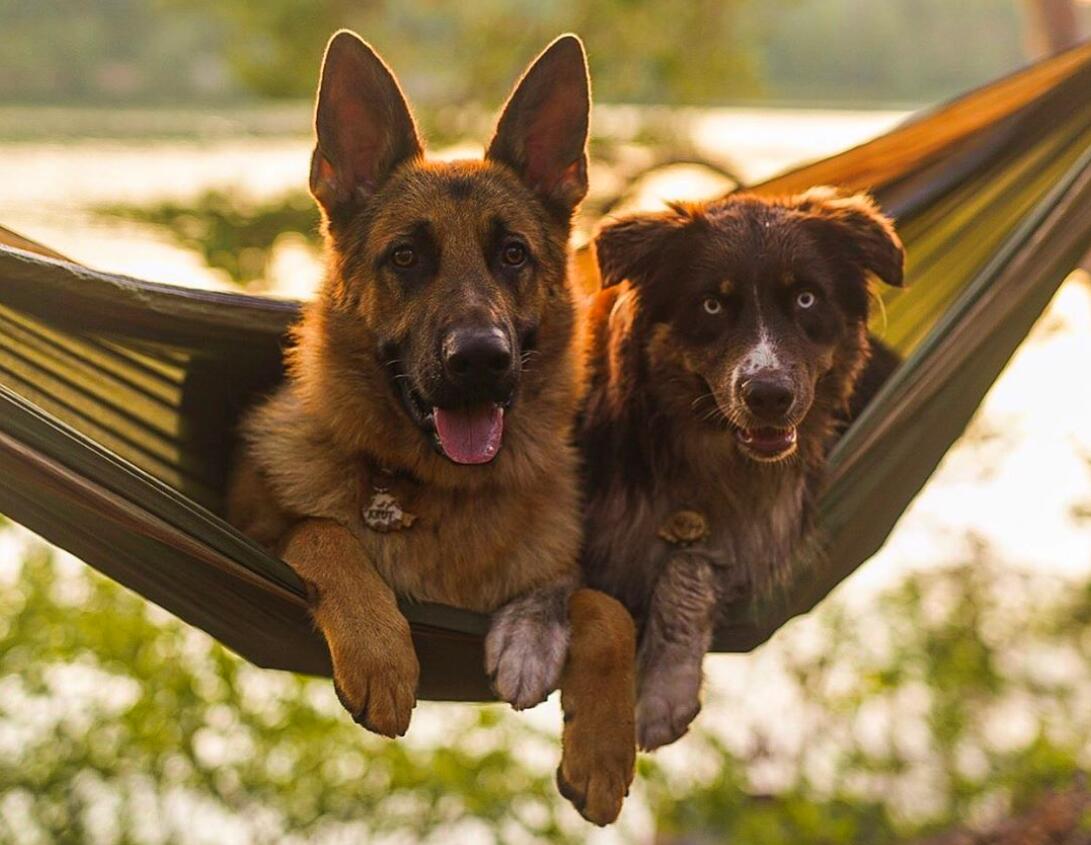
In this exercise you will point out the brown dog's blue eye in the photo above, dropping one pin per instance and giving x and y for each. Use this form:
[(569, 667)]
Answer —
[(514, 254), (806, 299), (712, 305), (404, 257)]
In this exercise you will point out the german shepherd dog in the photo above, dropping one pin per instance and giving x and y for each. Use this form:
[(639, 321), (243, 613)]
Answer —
[(720, 373), (422, 443)]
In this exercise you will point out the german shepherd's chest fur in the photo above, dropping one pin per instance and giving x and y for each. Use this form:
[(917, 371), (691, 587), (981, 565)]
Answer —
[(474, 547)]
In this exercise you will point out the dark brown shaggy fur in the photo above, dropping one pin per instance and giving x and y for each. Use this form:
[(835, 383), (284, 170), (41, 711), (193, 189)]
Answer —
[(688, 506), (419, 253)]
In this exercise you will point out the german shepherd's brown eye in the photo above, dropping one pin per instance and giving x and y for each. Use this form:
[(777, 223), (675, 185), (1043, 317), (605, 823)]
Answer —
[(514, 254), (404, 257), (712, 305)]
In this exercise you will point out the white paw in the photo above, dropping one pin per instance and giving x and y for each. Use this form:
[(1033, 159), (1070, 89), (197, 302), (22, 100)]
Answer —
[(524, 655), (669, 700)]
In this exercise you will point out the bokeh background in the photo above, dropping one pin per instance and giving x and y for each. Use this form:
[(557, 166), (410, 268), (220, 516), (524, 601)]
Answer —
[(942, 694)]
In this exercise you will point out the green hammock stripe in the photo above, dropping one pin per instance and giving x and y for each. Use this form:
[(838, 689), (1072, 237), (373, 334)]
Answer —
[(104, 393), (42, 392), (163, 384), (119, 398), (980, 215)]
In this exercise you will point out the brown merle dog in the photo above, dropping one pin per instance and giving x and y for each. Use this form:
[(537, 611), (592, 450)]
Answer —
[(422, 444), (724, 350)]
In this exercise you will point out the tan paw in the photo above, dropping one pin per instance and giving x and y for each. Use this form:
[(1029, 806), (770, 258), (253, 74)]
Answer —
[(596, 771), (379, 689)]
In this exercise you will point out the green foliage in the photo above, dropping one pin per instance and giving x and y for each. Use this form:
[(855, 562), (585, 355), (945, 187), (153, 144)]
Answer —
[(682, 52), (274, 46), (959, 695), (119, 51), (229, 233), (114, 720), (962, 694)]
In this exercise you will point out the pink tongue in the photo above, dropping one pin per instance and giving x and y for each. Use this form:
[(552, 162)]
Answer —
[(470, 435)]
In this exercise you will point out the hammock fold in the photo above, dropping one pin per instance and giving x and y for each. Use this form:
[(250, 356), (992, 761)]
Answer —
[(119, 397)]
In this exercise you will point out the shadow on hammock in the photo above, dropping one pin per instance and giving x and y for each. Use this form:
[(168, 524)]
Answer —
[(118, 397)]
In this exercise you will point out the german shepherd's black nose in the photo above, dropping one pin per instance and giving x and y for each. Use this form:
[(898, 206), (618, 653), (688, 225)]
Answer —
[(766, 399), (477, 358)]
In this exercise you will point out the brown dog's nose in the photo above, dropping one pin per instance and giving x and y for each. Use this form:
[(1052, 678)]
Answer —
[(476, 357), (767, 400)]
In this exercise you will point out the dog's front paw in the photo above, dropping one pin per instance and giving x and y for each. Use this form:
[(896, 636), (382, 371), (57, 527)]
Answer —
[(378, 686), (524, 655), (597, 766), (669, 700)]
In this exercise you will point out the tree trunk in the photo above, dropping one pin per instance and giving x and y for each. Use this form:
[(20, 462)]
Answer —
[(1052, 26)]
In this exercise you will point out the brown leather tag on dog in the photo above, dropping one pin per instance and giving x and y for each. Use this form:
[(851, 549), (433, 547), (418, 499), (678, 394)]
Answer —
[(684, 527)]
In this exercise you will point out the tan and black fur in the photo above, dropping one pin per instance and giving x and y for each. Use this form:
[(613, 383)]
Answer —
[(724, 351), (445, 292)]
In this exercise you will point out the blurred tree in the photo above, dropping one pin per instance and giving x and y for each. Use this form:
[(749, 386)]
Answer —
[(1052, 26), (228, 232), (636, 56), (122, 51), (681, 52), (910, 51)]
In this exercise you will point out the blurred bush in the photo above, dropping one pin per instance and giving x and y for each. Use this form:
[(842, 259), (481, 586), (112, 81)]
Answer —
[(958, 698), (119, 724), (230, 233), (962, 696)]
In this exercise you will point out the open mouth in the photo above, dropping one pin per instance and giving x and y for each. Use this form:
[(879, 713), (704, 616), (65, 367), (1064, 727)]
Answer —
[(767, 443), (470, 435), (465, 435)]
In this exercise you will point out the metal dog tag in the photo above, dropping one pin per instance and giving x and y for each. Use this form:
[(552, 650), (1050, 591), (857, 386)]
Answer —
[(383, 513)]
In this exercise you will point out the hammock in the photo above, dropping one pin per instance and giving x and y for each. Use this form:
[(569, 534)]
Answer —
[(118, 397)]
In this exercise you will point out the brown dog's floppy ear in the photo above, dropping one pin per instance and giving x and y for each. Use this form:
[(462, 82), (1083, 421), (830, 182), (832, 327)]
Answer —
[(854, 228), (542, 131), (632, 247), (363, 124)]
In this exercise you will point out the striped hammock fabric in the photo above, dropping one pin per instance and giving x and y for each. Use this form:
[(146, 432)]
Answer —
[(118, 397)]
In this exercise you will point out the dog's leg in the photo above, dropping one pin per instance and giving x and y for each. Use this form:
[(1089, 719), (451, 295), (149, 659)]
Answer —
[(597, 697), (676, 637), (375, 669), (526, 645)]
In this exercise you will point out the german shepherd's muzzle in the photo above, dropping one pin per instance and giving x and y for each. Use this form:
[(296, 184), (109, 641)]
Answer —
[(457, 380)]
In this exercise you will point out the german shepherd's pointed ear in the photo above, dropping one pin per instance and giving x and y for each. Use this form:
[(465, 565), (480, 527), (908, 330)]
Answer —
[(542, 131), (363, 125), (632, 247), (853, 227)]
